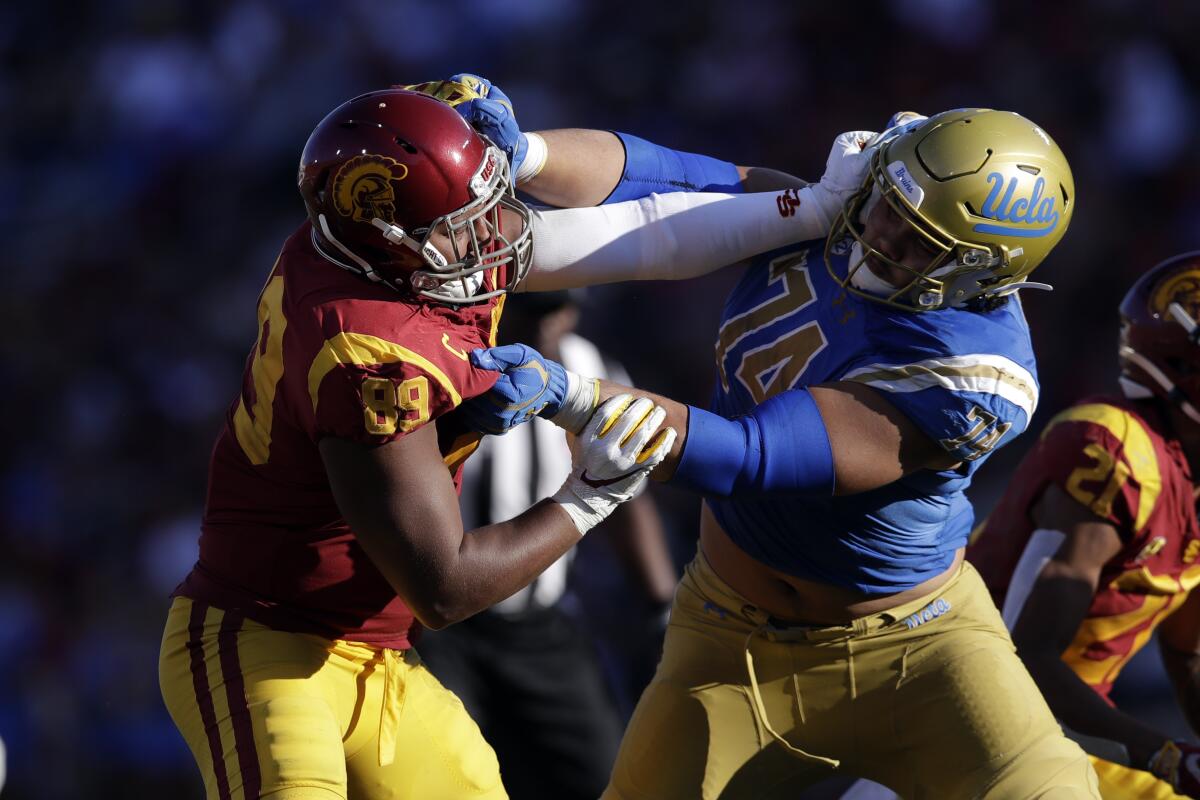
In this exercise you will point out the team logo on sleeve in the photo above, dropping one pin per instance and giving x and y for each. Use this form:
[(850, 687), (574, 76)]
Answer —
[(362, 188), (1182, 288), (981, 438)]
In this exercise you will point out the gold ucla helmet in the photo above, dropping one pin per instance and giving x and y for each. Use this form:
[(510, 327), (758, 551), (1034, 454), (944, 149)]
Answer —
[(988, 192)]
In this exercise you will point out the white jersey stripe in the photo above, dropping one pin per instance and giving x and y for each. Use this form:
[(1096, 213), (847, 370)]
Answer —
[(979, 372)]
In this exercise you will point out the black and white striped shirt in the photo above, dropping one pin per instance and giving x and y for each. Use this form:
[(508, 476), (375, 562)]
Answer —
[(509, 473)]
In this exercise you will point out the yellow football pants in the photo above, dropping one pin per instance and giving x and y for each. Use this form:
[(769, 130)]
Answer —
[(1119, 782), (928, 698), (296, 717)]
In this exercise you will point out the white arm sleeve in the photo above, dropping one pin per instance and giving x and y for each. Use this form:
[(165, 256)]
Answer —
[(666, 236)]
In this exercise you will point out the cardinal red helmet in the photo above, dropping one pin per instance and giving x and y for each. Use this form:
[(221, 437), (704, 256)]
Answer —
[(402, 190), (1158, 350)]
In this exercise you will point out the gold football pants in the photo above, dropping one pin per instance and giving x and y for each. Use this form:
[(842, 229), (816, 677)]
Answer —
[(928, 698), (1118, 782), (296, 717)]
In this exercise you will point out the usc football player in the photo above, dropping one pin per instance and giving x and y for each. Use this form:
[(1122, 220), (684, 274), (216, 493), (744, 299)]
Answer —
[(331, 531), (1093, 547)]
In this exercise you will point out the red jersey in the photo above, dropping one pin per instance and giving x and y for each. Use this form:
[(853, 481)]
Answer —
[(336, 356), (1115, 457)]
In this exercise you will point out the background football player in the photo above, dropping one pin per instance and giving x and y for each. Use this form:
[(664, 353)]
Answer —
[(829, 618), (332, 523), (1093, 547)]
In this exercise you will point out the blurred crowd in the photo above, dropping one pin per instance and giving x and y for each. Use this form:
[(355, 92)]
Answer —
[(149, 150)]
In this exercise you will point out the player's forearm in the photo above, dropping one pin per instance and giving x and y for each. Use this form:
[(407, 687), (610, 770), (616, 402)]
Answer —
[(581, 168), (588, 167), (636, 533), (494, 561), (677, 418), (1184, 671), (1078, 707), (762, 179), (665, 237), (781, 447)]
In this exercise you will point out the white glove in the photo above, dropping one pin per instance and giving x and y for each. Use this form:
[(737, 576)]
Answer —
[(845, 171), (614, 454)]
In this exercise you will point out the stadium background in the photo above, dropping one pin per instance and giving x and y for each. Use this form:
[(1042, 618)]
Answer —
[(147, 159)]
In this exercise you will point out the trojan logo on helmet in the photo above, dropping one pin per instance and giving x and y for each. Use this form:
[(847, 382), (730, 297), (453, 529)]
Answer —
[(1182, 288), (1159, 350), (362, 188), (987, 193)]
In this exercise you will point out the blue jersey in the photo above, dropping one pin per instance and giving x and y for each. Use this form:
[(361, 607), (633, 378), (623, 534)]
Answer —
[(967, 379)]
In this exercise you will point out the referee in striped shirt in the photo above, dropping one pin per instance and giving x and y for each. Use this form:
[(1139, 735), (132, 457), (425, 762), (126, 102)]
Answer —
[(526, 669)]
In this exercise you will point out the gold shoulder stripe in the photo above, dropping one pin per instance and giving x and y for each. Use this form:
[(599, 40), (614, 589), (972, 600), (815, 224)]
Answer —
[(1189, 578), (497, 311), (1143, 581), (1136, 443), (460, 449), (982, 373), (360, 348)]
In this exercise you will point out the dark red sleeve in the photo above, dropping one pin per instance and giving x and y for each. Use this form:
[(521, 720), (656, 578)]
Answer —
[(371, 390), (1091, 462)]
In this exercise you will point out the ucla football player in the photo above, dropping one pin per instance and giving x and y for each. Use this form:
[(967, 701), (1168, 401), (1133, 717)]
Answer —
[(1094, 546), (331, 530), (829, 620)]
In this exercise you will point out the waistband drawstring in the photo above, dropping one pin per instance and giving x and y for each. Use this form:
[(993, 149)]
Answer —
[(393, 700), (761, 711)]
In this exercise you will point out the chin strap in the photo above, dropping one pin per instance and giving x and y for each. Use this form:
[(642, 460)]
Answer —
[(424, 283), (397, 235), (981, 260), (1012, 287), (362, 266)]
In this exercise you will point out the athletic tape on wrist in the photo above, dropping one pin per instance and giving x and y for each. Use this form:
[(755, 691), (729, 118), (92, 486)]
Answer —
[(536, 153), (583, 515), (579, 402)]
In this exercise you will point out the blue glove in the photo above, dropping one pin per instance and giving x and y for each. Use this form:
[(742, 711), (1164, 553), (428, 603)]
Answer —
[(485, 88), (898, 123), (492, 115), (529, 384)]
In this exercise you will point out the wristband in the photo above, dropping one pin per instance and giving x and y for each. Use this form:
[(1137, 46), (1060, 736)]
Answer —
[(584, 516), (533, 159), (578, 403), (652, 169)]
